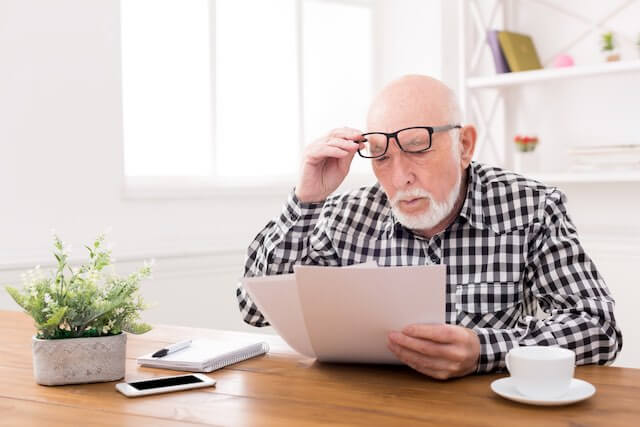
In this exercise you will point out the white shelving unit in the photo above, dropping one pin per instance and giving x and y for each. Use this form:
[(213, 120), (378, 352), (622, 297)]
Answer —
[(550, 74), (496, 87), (587, 177)]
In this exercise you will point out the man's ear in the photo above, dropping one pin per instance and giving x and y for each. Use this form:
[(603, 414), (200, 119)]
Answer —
[(468, 137)]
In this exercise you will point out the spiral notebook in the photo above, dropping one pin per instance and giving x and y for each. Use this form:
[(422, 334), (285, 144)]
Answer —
[(205, 356)]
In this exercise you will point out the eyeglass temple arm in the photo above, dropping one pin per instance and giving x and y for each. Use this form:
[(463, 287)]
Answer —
[(445, 128)]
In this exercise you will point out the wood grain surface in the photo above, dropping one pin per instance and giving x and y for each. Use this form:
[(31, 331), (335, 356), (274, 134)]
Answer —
[(284, 388)]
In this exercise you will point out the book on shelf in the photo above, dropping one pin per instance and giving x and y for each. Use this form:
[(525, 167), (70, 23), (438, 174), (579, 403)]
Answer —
[(519, 51), (496, 51), (605, 157)]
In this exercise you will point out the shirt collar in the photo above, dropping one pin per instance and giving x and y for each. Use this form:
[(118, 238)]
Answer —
[(472, 207)]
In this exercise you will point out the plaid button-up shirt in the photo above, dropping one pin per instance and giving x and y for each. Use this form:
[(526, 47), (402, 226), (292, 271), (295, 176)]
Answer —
[(512, 249)]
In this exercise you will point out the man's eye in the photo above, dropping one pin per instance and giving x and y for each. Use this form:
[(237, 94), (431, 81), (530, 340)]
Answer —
[(381, 159)]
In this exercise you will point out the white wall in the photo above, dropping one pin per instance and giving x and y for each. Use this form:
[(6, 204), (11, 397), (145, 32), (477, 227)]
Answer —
[(409, 39)]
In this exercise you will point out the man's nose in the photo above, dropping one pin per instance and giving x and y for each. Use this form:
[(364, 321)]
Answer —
[(403, 175)]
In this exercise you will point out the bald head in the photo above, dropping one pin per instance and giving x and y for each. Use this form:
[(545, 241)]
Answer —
[(413, 100)]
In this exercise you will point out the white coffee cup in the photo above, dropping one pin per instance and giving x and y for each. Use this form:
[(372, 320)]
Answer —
[(541, 372)]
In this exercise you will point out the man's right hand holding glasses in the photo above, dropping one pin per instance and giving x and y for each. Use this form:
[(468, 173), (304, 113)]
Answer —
[(326, 163)]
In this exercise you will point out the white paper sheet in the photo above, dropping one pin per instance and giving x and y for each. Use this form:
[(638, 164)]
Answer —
[(277, 299), (349, 312), (342, 314)]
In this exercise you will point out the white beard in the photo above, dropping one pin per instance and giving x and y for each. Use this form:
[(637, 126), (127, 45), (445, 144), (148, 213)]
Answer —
[(435, 213)]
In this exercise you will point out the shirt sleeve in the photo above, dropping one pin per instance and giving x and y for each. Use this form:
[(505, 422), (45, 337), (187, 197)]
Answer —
[(297, 236), (577, 304)]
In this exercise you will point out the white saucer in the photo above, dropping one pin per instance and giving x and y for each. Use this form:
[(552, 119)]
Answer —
[(578, 390)]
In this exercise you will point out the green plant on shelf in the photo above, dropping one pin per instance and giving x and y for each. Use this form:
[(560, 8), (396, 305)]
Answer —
[(608, 43)]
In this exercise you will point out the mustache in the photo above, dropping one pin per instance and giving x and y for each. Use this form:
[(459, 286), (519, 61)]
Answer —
[(413, 193)]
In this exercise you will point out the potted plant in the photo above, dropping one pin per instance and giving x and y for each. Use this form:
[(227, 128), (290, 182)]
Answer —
[(80, 314), (609, 48)]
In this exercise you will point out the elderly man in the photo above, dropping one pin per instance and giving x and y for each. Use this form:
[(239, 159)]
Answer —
[(507, 241)]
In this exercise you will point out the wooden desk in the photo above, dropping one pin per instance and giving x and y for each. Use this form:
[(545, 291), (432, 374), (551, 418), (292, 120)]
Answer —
[(284, 388)]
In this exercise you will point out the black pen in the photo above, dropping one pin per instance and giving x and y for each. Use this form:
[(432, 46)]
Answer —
[(172, 348)]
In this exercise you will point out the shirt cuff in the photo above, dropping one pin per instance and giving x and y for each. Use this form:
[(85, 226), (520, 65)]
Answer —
[(294, 209), (494, 346)]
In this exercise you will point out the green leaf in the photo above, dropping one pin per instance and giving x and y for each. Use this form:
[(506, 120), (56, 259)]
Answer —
[(136, 328), (55, 318), (17, 297)]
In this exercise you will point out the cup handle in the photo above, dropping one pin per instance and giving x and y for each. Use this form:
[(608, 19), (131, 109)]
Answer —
[(506, 361)]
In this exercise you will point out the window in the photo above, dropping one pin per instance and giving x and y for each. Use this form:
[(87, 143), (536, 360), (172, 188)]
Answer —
[(231, 90), (166, 87), (257, 111), (337, 64)]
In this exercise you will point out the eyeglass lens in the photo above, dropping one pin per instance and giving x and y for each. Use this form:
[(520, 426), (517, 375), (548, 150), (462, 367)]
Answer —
[(410, 140)]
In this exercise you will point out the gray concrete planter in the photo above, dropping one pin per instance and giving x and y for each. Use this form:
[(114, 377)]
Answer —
[(79, 360)]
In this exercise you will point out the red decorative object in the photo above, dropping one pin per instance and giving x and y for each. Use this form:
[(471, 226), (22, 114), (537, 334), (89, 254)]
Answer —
[(525, 143)]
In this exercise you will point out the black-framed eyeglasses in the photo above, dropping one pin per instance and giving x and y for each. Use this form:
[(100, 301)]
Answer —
[(415, 139)]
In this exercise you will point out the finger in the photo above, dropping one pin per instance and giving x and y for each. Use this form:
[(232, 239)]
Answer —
[(436, 368), (426, 347), (347, 133), (329, 151), (442, 333), (349, 145)]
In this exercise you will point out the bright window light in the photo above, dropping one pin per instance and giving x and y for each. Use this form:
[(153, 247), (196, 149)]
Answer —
[(337, 64), (257, 126), (230, 112), (166, 87)]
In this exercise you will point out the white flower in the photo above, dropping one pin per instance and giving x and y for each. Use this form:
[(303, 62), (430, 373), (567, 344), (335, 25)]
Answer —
[(105, 329), (65, 326), (47, 299)]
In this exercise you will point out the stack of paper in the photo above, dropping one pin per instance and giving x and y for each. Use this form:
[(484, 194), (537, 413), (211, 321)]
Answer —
[(342, 314)]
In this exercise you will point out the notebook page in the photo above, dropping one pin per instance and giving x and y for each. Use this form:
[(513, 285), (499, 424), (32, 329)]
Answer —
[(196, 355)]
